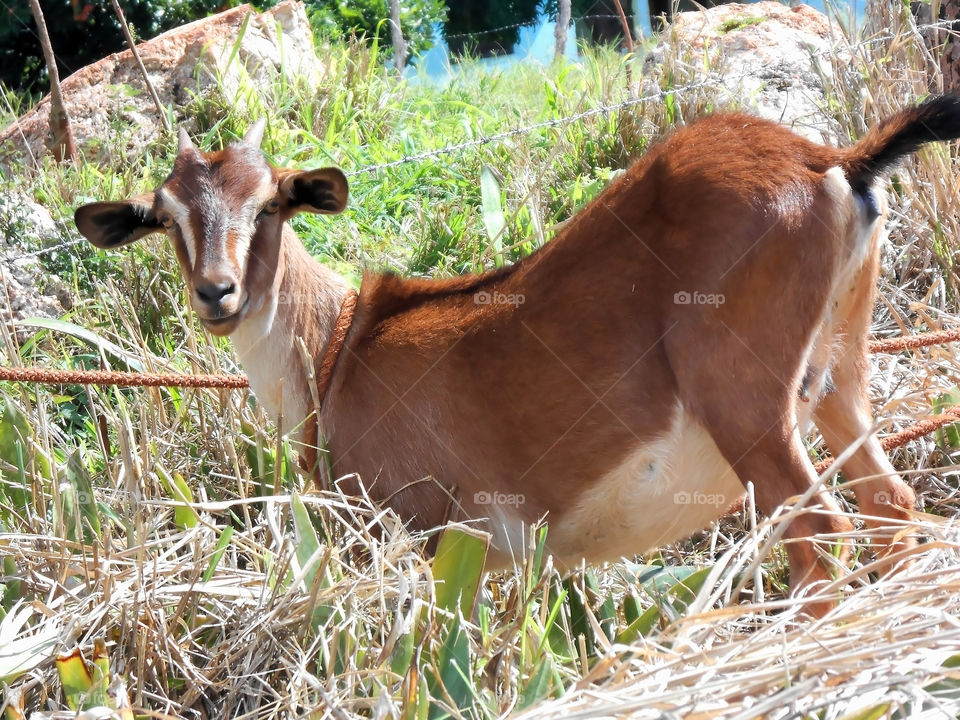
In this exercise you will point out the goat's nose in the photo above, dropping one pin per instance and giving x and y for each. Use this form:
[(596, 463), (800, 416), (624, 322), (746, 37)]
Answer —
[(213, 293)]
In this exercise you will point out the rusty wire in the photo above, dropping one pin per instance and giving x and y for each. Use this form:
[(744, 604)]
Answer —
[(144, 379)]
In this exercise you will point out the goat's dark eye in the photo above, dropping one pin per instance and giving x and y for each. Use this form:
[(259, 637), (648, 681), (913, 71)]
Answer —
[(271, 207), (166, 221)]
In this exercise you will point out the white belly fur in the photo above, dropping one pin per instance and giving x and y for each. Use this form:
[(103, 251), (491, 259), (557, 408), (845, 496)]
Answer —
[(664, 491)]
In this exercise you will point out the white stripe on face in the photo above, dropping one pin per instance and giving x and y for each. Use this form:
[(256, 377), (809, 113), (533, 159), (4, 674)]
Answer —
[(244, 223), (181, 216)]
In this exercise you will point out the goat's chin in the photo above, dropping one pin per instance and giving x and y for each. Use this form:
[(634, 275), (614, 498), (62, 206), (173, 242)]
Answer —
[(221, 328)]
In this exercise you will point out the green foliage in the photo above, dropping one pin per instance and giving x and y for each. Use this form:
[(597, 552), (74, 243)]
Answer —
[(597, 21), (370, 19), (469, 25), (949, 435), (83, 31)]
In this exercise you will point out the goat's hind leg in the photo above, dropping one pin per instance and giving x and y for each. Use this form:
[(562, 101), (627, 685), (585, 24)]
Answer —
[(843, 418), (779, 468), (884, 499), (763, 445)]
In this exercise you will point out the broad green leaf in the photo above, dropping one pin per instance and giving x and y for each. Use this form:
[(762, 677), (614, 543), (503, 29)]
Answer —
[(307, 542), (631, 608), (15, 433), (556, 635), (402, 654), (309, 556), (577, 609), (657, 579), (458, 568), (101, 666), (12, 587), (640, 627), (75, 677), (66, 514), (84, 683), (606, 612)]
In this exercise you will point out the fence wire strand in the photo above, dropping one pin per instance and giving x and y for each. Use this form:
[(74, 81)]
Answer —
[(713, 80)]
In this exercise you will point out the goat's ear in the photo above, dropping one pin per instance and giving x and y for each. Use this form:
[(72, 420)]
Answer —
[(317, 191), (112, 224)]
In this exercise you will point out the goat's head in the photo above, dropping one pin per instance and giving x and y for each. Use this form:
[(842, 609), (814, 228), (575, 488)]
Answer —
[(224, 212)]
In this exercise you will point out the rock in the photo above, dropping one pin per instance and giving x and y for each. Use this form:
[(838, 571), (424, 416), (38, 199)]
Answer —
[(26, 290), (25, 223), (111, 109), (774, 60)]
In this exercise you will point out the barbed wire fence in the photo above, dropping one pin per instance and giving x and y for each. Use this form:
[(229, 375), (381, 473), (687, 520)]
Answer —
[(712, 80), (654, 95), (851, 49)]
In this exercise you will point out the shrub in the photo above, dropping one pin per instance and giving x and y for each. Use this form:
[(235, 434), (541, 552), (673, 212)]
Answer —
[(82, 32), (370, 19), (470, 25)]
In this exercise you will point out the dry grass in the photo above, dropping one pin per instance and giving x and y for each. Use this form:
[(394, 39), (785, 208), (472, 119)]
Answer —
[(205, 624)]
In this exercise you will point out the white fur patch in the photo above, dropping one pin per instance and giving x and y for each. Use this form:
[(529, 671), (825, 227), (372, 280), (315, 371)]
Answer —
[(244, 222), (181, 216), (663, 491)]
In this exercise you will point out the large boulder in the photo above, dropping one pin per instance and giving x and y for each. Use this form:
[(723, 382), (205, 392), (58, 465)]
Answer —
[(240, 50), (775, 60)]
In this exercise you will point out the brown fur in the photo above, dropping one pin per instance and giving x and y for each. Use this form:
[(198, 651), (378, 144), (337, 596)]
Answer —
[(438, 396)]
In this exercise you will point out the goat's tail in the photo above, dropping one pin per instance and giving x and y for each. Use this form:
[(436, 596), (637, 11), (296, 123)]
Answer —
[(937, 118)]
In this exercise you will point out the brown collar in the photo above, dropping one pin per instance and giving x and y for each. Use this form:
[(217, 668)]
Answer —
[(335, 345)]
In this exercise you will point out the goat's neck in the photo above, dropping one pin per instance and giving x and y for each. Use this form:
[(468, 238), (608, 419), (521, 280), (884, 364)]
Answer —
[(303, 302)]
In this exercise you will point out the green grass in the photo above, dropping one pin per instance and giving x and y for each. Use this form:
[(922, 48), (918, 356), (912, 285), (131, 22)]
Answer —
[(293, 605)]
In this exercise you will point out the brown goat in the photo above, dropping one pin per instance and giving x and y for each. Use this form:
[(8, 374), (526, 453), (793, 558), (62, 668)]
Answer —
[(625, 381)]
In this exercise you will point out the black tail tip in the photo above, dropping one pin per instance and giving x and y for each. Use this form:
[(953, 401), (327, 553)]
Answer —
[(940, 117)]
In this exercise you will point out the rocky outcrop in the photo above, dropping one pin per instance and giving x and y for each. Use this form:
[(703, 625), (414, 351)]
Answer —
[(25, 289), (239, 50), (775, 60)]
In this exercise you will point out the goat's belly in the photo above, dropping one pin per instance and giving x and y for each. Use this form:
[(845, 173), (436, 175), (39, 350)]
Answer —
[(663, 491)]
